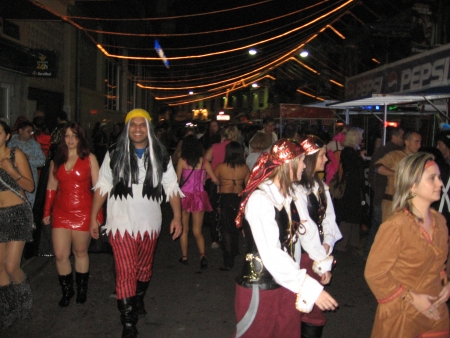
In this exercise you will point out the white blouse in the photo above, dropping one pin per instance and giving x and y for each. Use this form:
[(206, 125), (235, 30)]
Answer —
[(135, 214), (310, 240), (260, 214)]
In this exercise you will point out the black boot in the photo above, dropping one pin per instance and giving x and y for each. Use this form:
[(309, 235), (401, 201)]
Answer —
[(128, 316), (311, 331), (82, 286), (66, 282), (141, 289), (8, 311), (24, 299)]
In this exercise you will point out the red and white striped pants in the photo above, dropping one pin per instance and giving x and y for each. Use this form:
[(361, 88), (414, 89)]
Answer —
[(133, 257)]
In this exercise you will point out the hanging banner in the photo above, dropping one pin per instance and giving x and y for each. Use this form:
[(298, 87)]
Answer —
[(41, 63)]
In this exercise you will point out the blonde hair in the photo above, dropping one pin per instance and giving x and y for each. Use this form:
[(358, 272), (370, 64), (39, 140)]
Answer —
[(409, 172), (284, 175), (353, 137), (230, 133)]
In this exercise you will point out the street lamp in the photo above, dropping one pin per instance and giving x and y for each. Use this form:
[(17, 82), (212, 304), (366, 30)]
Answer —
[(304, 53), (252, 51)]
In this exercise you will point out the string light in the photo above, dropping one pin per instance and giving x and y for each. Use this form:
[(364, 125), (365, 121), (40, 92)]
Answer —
[(170, 17), (235, 82), (337, 32), (229, 50), (232, 70), (229, 91), (304, 65), (233, 88), (247, 79), (313, 21), (203, 32), (234, 41), (310, 95), (276, 62), (337, 83)]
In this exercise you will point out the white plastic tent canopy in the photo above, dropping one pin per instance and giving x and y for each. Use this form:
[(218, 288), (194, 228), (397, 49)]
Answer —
[(388, 100)]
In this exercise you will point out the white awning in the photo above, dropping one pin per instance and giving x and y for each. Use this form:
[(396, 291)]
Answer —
[(387, 100)]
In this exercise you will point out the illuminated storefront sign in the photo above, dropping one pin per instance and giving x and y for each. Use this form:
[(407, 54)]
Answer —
[(42, 63)]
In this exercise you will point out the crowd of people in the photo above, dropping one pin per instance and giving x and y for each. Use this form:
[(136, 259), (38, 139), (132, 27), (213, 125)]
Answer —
[(270, 190)]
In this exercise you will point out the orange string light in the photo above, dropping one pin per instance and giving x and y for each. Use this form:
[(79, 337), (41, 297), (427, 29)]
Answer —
[(232, 79), (229, 50), (170, 17), (236, 82), (233, 87), (234, 41), (204, 32), (310, 95), (239, 67)]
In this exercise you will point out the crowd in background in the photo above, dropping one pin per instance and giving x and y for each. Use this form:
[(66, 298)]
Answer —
[(359, 210), (213, 166)]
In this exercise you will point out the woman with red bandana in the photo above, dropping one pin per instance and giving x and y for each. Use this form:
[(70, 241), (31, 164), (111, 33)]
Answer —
[(272, 291), (321, 231), (73, 172)]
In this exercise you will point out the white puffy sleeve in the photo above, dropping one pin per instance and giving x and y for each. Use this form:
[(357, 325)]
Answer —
[(170, 183), (331, 231), (260, 214), (310, 239)]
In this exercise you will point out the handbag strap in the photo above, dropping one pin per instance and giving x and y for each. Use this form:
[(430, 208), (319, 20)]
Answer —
[(187, 177)]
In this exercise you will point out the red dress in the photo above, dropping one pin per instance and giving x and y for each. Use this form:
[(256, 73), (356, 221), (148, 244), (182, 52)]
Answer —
[(72, 208)]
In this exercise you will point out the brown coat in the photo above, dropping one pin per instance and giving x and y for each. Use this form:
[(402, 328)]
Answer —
[(403, 258)]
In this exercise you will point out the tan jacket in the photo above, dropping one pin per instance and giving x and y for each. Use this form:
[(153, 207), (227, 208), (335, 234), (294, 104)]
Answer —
[(403, 258)]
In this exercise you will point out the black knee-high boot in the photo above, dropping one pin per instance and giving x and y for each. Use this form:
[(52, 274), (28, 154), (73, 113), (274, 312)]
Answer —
[(311, 331), (141, 289), (66, 282), (128, 316), (24, 299), (8, 310), (82, 286)]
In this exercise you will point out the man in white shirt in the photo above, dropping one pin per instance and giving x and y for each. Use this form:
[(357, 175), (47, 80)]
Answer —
[(269, 127), (134, 177)]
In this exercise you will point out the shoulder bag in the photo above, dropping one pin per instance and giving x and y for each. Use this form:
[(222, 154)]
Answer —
[(338, 183)]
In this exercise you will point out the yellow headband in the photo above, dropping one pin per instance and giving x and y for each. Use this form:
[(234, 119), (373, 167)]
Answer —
[(137, 113)]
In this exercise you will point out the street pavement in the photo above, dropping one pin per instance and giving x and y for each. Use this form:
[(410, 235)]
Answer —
[(182, 301)]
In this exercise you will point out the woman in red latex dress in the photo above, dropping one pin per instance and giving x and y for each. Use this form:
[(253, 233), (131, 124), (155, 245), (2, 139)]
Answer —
[(73, 172)]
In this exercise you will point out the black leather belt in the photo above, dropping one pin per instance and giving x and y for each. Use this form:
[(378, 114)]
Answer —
[(269, 284)]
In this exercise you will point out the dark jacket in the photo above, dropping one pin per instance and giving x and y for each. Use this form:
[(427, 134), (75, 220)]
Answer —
[(348, 208)]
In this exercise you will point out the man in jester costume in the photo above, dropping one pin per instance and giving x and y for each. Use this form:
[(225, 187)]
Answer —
[(135, 178)]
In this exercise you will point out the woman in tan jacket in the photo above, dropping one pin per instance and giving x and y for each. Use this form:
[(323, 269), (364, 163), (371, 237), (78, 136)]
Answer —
[(406, 266)]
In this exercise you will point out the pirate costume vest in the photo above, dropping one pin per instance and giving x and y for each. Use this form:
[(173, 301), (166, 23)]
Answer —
[(254, 272)]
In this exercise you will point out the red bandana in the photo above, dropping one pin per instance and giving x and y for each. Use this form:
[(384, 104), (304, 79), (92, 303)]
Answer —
[(281, 152)]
